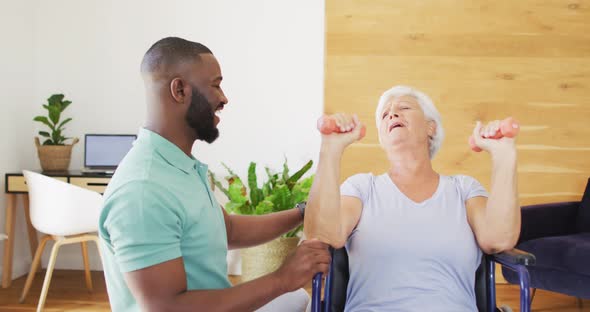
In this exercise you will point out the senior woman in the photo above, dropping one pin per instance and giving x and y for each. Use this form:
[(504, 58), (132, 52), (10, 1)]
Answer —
[(414, 237)]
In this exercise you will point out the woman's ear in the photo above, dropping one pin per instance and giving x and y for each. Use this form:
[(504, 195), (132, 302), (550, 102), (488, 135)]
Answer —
[(431, 128)]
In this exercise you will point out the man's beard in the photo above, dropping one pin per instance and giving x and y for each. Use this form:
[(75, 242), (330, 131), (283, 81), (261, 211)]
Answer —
[(201, 117)]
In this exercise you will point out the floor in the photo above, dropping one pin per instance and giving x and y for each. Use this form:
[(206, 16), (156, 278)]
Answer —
[(68, 293)]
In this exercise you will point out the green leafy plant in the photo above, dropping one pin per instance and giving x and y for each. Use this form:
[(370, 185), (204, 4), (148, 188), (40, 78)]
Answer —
[(281, 191), (55, 106)]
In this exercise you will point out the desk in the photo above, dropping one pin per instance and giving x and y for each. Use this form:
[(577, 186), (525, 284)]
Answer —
[(16, 186)]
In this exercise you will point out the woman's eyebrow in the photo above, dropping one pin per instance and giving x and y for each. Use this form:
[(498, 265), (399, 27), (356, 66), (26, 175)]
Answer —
[(406, 102)]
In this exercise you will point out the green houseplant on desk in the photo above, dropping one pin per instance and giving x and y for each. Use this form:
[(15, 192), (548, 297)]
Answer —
[(54, 153), (280, 192)]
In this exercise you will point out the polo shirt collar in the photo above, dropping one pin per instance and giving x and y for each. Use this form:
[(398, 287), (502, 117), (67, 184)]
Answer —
[(169, 151)]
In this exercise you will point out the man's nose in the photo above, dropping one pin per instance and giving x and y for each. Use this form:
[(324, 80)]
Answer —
[(223, 99)]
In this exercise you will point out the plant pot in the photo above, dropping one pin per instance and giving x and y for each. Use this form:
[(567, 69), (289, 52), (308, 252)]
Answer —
[(55, 157), (266, 258)]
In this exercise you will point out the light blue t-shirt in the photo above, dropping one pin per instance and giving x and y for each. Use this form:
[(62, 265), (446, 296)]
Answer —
[(407, 256), (159, 207)]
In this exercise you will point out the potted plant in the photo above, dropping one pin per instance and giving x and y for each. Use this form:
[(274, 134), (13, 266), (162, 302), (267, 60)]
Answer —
[(54, 153), (280, 192)]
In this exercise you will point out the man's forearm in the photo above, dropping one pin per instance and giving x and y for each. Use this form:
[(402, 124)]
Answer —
[(503, 211), (247, 231), (248, 296)]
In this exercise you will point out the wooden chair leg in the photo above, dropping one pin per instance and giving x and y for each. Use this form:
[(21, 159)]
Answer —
[(48, 274), (533, 295), (34, 267), (580, 303), (86, 266), (58, 243)]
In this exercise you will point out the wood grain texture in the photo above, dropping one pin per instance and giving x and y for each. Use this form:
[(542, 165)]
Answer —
[(478, 60)]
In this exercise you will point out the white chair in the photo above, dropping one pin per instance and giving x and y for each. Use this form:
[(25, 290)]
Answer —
[(67, 214)]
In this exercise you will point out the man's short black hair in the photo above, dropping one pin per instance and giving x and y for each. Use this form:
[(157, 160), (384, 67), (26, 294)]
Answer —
[(170, 51)]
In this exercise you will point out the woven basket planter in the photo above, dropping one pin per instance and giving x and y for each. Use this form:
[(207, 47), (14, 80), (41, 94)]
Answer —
[(266, 258), (55, 157)]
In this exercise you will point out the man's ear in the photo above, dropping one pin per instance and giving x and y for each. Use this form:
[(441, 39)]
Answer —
[(179, 90)]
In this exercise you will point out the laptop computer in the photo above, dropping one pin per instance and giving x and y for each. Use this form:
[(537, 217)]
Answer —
[(104, 152)]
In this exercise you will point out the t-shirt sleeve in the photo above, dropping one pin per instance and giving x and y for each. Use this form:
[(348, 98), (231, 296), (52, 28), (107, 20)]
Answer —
[(470, 187), (357, 186), (144, 225)]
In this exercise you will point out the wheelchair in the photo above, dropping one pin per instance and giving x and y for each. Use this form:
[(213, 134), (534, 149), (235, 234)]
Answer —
[(485, 284)]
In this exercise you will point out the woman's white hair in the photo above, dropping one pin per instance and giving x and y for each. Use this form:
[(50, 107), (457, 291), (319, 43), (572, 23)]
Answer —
[(427, 106)]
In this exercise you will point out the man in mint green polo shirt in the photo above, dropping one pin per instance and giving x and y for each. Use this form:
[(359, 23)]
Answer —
[(164, 237)]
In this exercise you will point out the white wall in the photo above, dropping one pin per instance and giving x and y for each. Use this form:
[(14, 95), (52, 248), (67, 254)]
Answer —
[(16, 93), (271, 56)]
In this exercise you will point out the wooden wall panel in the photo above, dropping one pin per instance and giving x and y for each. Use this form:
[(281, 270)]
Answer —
[(477, 60)]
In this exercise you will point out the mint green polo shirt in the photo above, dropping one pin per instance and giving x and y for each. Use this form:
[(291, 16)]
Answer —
[(159, 207)]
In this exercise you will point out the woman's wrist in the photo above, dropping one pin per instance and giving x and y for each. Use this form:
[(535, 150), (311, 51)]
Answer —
[(504, 156), (330, 149)]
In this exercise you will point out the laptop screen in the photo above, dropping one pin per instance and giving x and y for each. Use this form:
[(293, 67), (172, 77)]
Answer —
[(106, 150)]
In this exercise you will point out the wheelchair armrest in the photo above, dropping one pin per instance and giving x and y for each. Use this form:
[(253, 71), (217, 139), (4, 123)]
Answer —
[(518, 261), (515, 257)]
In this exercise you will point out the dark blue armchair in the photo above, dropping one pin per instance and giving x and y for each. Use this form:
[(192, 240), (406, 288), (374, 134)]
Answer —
[(485, 284), (559, 236)]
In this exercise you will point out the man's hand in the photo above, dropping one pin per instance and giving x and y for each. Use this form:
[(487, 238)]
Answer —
[(311, 257)]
